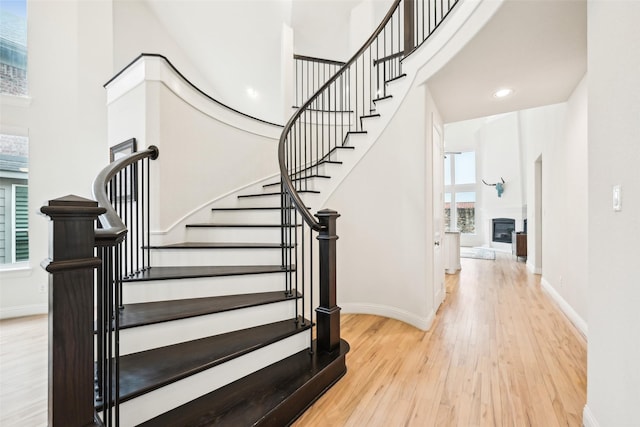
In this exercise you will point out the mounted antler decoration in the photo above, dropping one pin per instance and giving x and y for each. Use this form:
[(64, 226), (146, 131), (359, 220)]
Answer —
[(499, 186)]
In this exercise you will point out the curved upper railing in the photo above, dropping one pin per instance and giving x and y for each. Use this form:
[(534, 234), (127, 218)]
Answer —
[(324, 122), (189, 83)]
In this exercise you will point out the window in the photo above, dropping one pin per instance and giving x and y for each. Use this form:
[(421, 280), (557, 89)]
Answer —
[(13, 47), (460, 192), (20, 223), (14, 199)]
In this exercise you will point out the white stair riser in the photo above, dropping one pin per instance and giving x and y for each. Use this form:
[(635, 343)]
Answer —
[(234, 234), (201, 257), (308, 198), (310, 183), (164, 290), (322, 169), (142, 338), (271, 216), (147, 406)]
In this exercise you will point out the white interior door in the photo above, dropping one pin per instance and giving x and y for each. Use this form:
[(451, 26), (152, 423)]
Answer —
[(438, 214)]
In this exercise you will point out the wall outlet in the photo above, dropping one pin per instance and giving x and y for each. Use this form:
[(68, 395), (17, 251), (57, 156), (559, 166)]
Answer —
[(560, 281), (42, 288)]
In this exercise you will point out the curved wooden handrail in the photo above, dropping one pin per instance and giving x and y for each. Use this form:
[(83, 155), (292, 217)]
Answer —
[(287, 184), (113, 229), (196, 88)]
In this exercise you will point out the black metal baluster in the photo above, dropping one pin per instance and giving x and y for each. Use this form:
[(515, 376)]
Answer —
[(148, 214), (116, 338), (311, 289), (356, 98)]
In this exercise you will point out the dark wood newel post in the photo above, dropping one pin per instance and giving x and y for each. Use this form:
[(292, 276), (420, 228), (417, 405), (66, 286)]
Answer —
[(328, 313), (71, 304), (409, 39)]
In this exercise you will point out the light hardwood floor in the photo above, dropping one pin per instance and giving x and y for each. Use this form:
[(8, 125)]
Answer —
[(499, 353)]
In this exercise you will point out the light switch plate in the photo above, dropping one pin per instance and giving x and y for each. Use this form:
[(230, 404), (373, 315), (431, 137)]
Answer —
[(617, 198)]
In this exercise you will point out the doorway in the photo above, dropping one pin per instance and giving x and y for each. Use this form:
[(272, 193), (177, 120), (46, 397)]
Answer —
[(537, 260), (438, 214)]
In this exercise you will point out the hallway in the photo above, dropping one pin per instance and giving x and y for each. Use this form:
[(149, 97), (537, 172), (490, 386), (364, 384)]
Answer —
[(500, 353)]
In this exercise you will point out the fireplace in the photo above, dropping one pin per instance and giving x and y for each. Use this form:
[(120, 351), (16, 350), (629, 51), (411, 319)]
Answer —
[(502, 229)]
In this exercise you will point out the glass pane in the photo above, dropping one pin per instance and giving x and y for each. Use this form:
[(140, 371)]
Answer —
[(447, 169), (22, 245), (14, 213), (466, 212), (447, 212), (465, 168), (13, 47)]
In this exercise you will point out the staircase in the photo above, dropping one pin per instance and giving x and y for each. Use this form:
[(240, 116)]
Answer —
[(237, 325), (222, 295)]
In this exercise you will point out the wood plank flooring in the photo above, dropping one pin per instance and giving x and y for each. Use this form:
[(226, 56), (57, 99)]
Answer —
[(23, 372), (499, 354)]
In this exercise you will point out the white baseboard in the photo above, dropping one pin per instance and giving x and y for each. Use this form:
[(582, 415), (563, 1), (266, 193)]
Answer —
[(588, 419), (533, 269), (573, 316), (23, 310), (422, 323)]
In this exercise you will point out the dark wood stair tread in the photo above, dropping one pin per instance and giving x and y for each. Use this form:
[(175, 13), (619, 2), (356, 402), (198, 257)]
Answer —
[(369, 116), (311, 176), (250, 208), (221, 225), (398, 77), (149, 370), (166, 273), (382, 98), (273, 396), (254, 208), (219, 245), (274, 194), (141, 314)]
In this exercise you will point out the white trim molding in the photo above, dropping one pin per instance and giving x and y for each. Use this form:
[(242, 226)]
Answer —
[(568, 311), (533, 269), (23, 310), (588, 419), (422, 323)]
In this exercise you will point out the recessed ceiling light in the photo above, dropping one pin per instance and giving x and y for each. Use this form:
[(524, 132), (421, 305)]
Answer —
[(501, 93)]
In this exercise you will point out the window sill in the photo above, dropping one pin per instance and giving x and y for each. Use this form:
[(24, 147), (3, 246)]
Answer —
[(19, 269), (15, 101)]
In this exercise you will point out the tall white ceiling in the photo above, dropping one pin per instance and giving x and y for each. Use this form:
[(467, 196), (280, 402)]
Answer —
[(538, 48)]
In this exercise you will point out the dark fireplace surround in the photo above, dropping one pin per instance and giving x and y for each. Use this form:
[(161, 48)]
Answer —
[(502, 229)]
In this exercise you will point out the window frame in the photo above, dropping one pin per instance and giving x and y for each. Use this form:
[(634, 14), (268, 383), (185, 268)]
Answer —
[(454, 188)]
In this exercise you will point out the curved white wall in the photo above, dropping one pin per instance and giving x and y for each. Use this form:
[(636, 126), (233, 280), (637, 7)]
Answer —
[(224, 47), (206, 151)]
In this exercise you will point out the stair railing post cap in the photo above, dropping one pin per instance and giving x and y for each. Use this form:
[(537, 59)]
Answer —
[(327, 213)]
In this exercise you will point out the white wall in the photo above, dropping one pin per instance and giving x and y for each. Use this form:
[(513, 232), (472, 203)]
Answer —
[(224, 47), (613, 375), (383, 255), (558, 134), (70, 57), (498, 157), (321, 28)]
